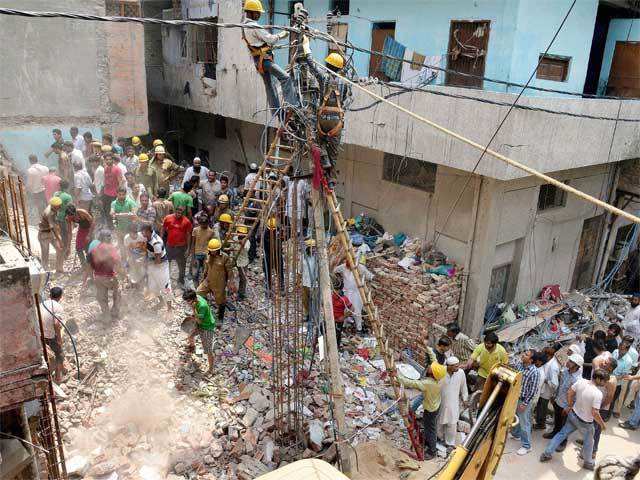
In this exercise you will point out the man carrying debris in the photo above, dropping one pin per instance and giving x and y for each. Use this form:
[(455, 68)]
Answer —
[(260, 43), (218, 273), (49, 234), (430, 388), (454, 389), (583, 411), (330, 112), (351, 288), (106, 264), (206, 323)]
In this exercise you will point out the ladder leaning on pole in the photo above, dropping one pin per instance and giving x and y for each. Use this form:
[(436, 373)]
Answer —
[(260, 195), (372, 314)]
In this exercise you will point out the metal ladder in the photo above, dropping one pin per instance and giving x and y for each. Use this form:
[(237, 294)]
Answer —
[(260, 195), (378, 329)]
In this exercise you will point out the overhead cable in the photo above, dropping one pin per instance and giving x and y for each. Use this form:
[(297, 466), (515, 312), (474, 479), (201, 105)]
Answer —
[(315, 34)]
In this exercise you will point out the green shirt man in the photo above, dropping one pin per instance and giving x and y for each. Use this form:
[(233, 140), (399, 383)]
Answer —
[(123, 206), (181, 199), (206, 319), (66, 200)]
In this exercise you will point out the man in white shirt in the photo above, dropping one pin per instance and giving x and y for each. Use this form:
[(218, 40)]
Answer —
[(631, 322), (260, 43), (84, 189), (584, 400), (78, 140), (253, 173), (301, 189), (454, 389), (35, 188), (52, 313), (551, 370), (196, 170)]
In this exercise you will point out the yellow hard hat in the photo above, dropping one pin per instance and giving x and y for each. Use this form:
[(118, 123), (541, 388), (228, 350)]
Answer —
[(225, 218), (271, 223), (106, 148), (253, 6), (143, 157), (214, 245), (439, 371), (157, 142), (310, 242), (223, 198), (96, 143), (55, 201), (159, 149), (335, 59), (243, 229), (135, 141)]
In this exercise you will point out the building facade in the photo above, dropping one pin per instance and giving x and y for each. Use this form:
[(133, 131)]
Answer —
[(68, 73), (512, 234)]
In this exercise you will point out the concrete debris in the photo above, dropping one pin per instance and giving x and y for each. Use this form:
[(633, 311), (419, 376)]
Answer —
[(77, 466), (316, 435)]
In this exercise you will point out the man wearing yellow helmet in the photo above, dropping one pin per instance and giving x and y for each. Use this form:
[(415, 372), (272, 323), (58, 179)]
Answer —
[(147, 175), (273, 262), (218, 274), (138, 146), (334, 92), (49, 234), (222, 226), (260, 43), (242, 261)]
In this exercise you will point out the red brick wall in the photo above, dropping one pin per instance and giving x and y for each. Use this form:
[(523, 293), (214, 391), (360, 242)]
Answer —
[(409, 302)]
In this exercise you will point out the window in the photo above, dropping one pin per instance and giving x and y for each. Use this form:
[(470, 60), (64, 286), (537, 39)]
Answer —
[(183, 42), (498, 284), (205, 48), (338, 31), (123, 8), (409, 172), (340, 6), (551, 196), (219, 126), (553, 67)]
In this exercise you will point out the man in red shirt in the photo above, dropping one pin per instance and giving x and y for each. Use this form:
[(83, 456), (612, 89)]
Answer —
[(340, 306), (113, 178), (106, 264), (177, 229)]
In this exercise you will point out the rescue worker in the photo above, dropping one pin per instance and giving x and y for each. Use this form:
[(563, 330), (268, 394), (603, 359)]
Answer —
[(138, 147), (49, 234), (330, 112), (272, 258), (218, 273), (146, 175), (166, 169), (223, 206), (260, 42)]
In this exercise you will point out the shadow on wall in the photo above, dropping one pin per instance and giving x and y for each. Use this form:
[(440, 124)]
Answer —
[(19, 143)]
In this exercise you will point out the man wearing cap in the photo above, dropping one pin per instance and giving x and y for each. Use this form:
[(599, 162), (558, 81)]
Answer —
[(105, 261), (49, 234), (176, 228), (218, 273), (242, 262), (196, 169), (138, 147), (430, 388), (454, 388), (221, 227), (222, 206), (570, 374), (146, 175), (253, 173), (529, 389), (167, 170)]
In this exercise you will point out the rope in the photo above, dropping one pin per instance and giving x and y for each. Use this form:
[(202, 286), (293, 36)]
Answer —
[(503, 158), (316, 34)]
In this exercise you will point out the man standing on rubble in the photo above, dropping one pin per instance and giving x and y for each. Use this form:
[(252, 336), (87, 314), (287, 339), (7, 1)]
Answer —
[(551, 370), (106, 264), (330, 112), (351, 288), (454, 389), (260, 44), (206, 324), (631, 322), (486, 356), (52, 313), (218, 274), (49, 234), (430, 388)]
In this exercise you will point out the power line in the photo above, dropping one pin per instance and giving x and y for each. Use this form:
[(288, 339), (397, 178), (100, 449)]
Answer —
[(495, 134), (487, 101), (315, 34)]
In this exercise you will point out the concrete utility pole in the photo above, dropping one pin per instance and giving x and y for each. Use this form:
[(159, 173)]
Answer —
[(337, 387)]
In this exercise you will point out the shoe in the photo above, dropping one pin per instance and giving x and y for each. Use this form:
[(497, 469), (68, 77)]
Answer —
[(539, 427), (545, 457), (515, 437), (588, 466), (548, 435), (579, 441), (561, 447), (627, 426), (523, 451), (616, 415), (428, 456)]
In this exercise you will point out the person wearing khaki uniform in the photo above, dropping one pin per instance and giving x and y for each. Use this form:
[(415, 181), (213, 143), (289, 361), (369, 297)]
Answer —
[(218, 274), (49, 234)]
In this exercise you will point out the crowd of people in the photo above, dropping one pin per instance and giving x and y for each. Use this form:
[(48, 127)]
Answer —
[(571, 388)]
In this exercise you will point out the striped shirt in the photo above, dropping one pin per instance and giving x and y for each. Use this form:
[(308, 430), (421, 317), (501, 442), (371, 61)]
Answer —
[(530, 382), (461, 346)]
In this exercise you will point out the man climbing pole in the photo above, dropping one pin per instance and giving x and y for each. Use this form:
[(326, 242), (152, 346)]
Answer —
[(330, 109), (260, 43)]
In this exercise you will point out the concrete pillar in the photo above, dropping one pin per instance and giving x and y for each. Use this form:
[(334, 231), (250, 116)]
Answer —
[(482, 252)]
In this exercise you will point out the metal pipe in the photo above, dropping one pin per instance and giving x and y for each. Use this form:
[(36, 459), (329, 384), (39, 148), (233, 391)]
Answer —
[(6, 208), (483, 413), (15, 211), (24, 214)]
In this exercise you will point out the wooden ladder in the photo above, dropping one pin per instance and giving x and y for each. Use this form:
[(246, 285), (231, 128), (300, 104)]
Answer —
[(372, 313), (260, 195)]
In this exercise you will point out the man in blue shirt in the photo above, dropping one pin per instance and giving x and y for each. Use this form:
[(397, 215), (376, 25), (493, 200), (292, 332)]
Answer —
[(569, 375)]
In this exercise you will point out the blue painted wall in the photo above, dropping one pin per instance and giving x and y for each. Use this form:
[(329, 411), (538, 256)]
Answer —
[(21, 142), (520, 31), (618, 31)]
